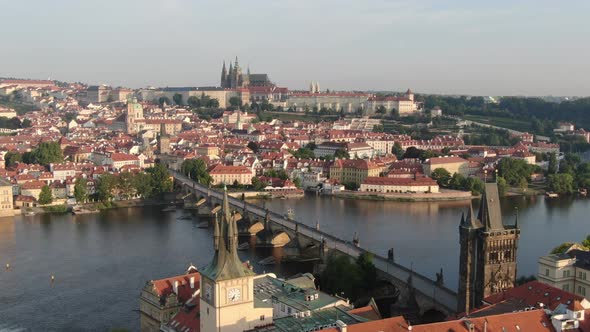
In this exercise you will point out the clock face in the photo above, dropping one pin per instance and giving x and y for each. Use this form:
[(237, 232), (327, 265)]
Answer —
[(208, 291), (234, 295)]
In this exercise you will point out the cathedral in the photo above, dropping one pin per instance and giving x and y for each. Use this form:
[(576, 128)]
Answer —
[(488, 252), (234, 78)]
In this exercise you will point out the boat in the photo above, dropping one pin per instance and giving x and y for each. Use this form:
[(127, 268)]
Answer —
[(185, 217), (583, 192), (244, 246), (169, 209), (79, 210), (29, 213), (203, 224), (551, 194)]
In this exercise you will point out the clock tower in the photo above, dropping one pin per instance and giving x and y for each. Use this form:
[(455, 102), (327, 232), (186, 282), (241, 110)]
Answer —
[(227, 286)]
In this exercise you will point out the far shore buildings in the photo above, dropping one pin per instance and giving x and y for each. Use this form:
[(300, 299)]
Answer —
[(353, 170), (387, 185), (452, 164), (6, 203), (223, 174)]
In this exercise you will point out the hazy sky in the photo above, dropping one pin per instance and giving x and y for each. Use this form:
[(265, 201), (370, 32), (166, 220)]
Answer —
[(510, 47)]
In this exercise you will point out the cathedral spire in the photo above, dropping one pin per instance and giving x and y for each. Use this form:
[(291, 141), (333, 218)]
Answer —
[(223, 75)]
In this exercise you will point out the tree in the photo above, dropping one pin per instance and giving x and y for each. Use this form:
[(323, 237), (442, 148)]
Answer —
[(193, 101), (502, 186), (342, 154), (367, 270), (297, 182), (12, 157), (125, 185), (561, 183), (161, 180), (196, 169), (441, 176), (163, 100), (177, 98), (26, 123), (81, 190), (143, 184), (512, 170), (303, 153), (552, 169), (560, 249), (397, 150), (45, 196), (105, 187), (523, 184), (253, 146), (45, 154), (235, 101), (342, 277), (412, 152), (258, 185)]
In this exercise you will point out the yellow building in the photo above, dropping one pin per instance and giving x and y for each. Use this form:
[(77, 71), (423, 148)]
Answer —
[(227, 286), (384, 185), (229, 175), (208, 150), (353, 170), (452, 164)]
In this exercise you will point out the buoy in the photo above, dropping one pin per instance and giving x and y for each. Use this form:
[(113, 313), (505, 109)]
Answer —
[(7, 266)]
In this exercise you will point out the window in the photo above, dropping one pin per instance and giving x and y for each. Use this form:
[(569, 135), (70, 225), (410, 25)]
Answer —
[(261, 317), (546, 272), (282, 307), (289, 310), (566, 288), (564, 274)]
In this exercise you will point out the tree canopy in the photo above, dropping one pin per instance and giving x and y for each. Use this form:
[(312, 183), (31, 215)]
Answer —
[(196, 169), (45, 196), (45, 153)]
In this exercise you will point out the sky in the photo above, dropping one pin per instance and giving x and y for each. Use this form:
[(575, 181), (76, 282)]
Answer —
[(474, 47)]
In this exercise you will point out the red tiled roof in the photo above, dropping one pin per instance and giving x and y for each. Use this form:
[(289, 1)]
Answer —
[(534, 292), (165, 287)]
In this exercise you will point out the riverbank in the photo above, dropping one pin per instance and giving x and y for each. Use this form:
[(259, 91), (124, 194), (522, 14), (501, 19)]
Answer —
[(96, 206), (443, 195)]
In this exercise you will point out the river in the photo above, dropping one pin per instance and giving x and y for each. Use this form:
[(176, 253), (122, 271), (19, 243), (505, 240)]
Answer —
[(101, 262)]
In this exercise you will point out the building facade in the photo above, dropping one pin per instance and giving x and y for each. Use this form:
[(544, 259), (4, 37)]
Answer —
[(569, 271)]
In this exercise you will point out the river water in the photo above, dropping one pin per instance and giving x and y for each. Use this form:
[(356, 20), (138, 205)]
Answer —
[(101, 262)]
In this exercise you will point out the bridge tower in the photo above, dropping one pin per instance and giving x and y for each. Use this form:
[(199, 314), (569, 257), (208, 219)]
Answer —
[(487, 262)]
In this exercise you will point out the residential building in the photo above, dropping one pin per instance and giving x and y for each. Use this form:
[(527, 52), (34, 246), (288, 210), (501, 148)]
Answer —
[(386, 185), (6, 199), (353, 170), (569, 271), (452, 164), (229, 175)]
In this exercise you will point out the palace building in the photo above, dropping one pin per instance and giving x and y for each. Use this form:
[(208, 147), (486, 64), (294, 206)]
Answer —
[(234, 78)]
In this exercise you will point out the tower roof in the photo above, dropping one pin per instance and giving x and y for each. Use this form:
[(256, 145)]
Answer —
[(226, 264), (470, 221), (490, 214)]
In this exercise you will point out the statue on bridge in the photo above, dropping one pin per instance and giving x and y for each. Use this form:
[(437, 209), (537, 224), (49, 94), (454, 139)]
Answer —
[(355, 239), (390, 256), (440, 278)]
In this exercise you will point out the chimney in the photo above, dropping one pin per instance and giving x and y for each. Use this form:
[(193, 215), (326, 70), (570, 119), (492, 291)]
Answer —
[(176, 287), (341, 326), (192, 282)]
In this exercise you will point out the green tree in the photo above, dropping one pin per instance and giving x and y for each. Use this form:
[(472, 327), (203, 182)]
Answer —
[(81, 190), (126, 185), (552, 169), (441, 176), (235, 101), (297, 182), (193, 101), (561, 183), (45, 154), (143, 184), (105, 187), (502, 186), (341, 154), (523, 184), (367, 270), (177, 98), (342, 277), (45, 196), (560, 249), (397, 150), (253, 146), (196, 169), (163, 100), (258, 185), (12, 157), (512, 170), (161, 180)]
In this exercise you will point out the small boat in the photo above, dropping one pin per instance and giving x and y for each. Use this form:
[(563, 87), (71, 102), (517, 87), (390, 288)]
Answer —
[(583, 192), (29, 213), (169, 209), (551, 195), (244, 246), (185, 217), (203, 224)]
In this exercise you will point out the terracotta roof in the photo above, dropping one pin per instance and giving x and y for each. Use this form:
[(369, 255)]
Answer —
[(165, 287)]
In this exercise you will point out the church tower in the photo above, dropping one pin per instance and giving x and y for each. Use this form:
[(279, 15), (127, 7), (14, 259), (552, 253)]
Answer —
[(134, 113), (163, 140), (223, 76), (227, 286), (488, 252)]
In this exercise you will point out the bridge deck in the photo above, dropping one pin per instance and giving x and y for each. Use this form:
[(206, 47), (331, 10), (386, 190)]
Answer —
[(439, 294)]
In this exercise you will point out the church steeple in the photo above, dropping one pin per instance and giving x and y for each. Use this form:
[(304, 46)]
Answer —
[(489, 209), (226, 264), (223, 75)]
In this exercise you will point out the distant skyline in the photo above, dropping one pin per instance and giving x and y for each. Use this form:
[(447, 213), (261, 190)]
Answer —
[(431, 46)]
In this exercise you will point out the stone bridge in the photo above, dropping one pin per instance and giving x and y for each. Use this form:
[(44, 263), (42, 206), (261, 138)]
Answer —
[(429, 294)]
